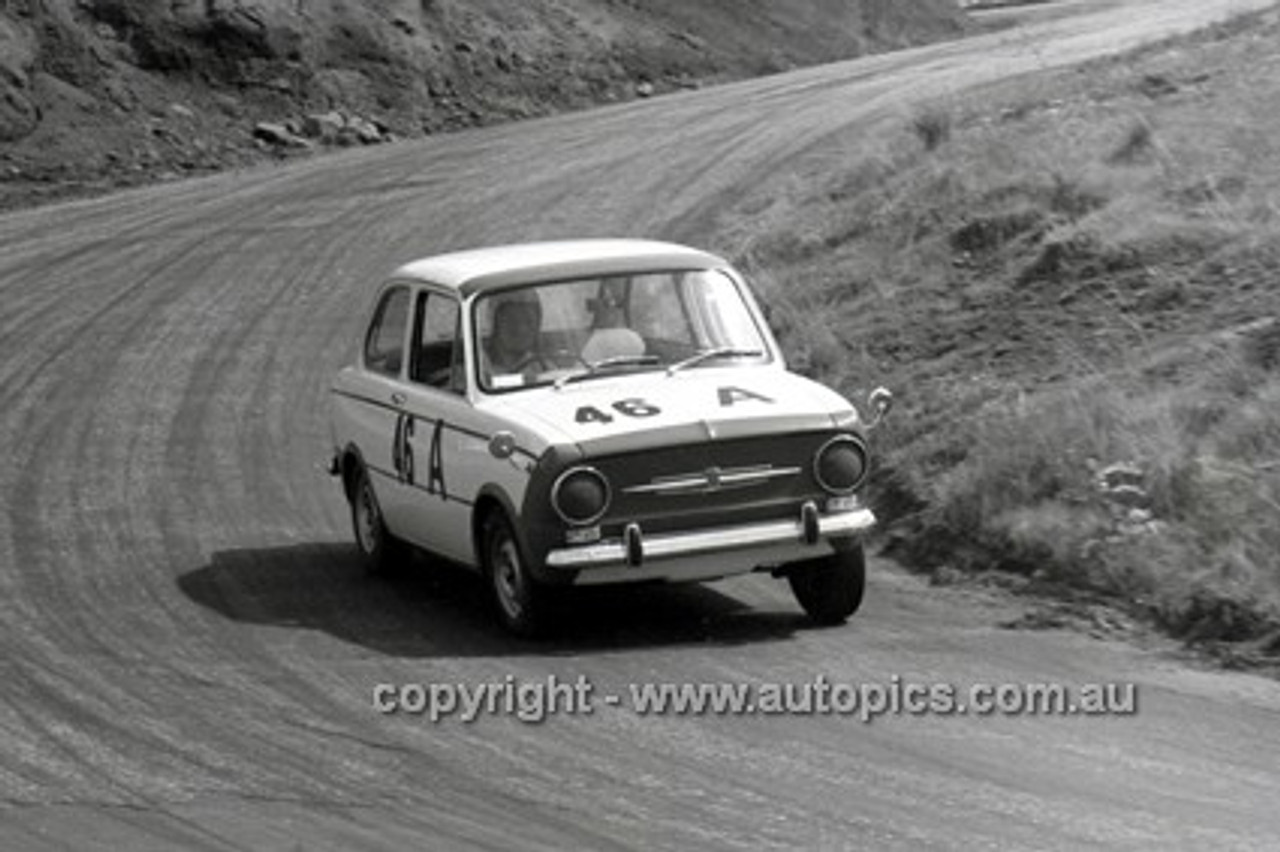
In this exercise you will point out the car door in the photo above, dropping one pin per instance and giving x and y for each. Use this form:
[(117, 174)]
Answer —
[(376, 411), (446, 452)]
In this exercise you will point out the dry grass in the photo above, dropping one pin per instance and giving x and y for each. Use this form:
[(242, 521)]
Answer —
[(1063, 273), (933, 127)]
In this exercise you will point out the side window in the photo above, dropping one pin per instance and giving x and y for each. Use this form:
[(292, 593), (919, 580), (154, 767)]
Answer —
[(384, 345), (437, 349)]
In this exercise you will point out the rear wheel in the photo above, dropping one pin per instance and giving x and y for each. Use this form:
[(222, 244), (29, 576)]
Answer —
[(519, 599), (830, 588), (380, 551)]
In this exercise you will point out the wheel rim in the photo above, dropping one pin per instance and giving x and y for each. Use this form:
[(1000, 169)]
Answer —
[(508, 577), (367, 520)]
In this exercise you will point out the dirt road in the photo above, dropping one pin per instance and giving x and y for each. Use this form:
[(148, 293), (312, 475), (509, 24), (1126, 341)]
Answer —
[(190, 651)]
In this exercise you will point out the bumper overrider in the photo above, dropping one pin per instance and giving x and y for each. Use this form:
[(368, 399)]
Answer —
[(805, 535)]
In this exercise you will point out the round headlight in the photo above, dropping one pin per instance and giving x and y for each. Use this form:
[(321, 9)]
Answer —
[(841, 464), (580, 495)]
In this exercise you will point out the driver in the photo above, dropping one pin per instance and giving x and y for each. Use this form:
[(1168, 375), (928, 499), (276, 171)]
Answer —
[(513, 344)]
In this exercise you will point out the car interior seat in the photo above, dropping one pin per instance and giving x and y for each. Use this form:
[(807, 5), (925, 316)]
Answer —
[(607, 343)]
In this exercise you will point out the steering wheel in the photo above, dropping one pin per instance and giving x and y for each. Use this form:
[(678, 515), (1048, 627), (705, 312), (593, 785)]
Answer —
[(567, 353), (530, 360)]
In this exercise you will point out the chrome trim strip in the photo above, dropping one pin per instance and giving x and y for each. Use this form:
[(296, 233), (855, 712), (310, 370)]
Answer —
[(714, 479), (669, 545)]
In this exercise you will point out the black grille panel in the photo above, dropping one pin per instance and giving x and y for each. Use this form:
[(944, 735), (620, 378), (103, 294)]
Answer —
[(719, 501)]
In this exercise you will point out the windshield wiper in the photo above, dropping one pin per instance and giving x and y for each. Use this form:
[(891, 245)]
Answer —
[(594, 367), (708, 354)]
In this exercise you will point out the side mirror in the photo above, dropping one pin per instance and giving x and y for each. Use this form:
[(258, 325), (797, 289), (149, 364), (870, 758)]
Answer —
[(881, 400)]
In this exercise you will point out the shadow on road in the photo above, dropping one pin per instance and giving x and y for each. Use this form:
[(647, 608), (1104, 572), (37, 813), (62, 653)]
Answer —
[(429, 609)]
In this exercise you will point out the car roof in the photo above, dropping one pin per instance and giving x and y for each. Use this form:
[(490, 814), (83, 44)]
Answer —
[(496, 267)]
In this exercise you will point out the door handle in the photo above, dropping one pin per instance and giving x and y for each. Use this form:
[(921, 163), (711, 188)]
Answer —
[(398, 398)]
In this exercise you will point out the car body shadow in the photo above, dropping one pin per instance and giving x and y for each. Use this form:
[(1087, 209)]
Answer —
[(434, 609)]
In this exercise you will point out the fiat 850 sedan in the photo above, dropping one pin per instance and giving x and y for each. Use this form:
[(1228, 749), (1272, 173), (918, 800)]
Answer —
[(596, 411)]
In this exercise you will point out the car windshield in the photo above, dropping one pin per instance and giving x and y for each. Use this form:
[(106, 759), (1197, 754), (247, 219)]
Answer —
[(565, 331)]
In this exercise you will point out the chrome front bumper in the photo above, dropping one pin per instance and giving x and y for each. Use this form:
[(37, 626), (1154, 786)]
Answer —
[(637, 548)]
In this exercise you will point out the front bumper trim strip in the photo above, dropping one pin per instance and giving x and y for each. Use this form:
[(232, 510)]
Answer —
[(673, 545)]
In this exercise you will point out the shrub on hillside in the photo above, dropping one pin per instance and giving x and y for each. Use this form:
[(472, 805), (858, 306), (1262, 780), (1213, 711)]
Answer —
[(1205, 525)]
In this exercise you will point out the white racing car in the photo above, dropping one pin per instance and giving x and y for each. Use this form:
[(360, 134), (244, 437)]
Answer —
[(596, 411)]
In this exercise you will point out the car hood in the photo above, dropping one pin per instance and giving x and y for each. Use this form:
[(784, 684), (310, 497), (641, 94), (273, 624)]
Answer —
[(637, 411)]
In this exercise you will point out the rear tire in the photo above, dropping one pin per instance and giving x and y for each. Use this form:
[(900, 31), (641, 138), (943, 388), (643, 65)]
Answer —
[(519, 600), (380, 551), (830, 588)]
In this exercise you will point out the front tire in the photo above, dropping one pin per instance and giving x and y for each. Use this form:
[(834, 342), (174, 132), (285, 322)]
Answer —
[(830, 588), (380, 551), (519, 599)]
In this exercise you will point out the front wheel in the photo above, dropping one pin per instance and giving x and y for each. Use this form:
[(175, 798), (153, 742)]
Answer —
[(519, 599), (830, 588)]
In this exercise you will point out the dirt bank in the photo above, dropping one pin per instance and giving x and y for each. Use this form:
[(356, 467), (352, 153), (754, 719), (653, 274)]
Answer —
[(119, 92)]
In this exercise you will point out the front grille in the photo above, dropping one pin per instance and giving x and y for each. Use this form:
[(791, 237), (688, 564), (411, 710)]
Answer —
[(712, 483)]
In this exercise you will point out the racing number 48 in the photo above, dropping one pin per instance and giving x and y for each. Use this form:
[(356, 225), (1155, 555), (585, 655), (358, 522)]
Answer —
[(632, 407), (637, 407)]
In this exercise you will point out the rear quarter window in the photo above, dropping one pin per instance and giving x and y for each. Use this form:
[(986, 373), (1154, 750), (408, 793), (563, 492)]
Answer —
[(384, 343)]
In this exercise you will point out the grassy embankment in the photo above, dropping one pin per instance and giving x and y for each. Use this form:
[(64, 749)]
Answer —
[(1057, 275)]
